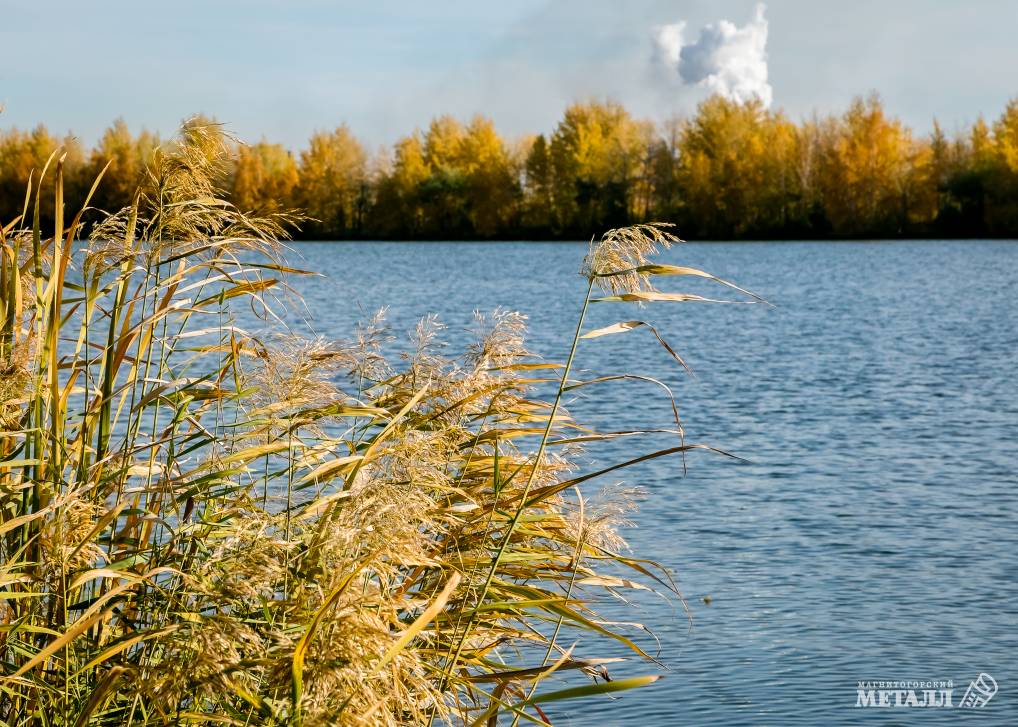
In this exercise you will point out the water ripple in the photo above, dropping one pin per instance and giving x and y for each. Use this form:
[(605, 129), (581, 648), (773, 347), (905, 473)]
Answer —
[(873, 535)]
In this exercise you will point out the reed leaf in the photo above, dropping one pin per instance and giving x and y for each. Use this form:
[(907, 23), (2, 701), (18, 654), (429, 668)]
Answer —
[(209, 518)]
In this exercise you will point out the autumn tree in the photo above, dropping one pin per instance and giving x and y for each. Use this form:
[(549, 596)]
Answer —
[(492, 186), (23, 156), (736, 170), (127, 156), (333, 184), (1000, 172), (597, 152), (265, 178), (454, 180), (731, 170), (443, 190), (398, 209), (864, 170)]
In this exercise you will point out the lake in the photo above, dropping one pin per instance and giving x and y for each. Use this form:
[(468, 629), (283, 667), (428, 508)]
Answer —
[(874, 533)]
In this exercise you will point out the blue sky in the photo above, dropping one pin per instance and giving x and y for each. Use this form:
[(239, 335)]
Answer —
[(283, 69)]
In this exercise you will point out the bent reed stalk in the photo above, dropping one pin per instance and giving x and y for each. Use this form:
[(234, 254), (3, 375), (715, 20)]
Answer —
[(200, 524)]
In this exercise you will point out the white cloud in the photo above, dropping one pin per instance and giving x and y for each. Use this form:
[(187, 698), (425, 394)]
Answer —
[(668, 44), (725, 59)]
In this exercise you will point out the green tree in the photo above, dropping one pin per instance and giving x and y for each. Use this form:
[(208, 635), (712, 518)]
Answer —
[(663, 171), (538, 186)]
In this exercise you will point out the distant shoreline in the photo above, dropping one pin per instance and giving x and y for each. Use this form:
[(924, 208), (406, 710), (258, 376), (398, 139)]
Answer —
[(728, 171)]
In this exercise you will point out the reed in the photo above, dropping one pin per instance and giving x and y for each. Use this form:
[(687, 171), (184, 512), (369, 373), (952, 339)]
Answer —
[(202, 524)]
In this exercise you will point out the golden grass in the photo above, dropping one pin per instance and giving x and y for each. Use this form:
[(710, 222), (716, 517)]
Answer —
[(199, 525)]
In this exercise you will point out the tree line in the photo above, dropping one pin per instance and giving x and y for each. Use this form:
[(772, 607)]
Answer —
[(728, 171)]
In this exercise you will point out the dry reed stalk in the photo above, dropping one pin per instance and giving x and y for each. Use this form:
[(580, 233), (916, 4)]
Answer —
[(203, 526)]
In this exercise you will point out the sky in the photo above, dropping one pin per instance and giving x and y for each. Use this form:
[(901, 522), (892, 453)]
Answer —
[(281, 69)]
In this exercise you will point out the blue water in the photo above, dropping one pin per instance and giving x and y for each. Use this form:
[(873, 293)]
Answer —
[(873, 536)]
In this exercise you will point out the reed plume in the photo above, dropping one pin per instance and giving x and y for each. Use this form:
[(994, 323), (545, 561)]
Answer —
[(201, 524)]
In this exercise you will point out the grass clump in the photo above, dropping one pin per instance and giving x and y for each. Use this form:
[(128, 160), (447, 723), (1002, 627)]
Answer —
[(203, 525)]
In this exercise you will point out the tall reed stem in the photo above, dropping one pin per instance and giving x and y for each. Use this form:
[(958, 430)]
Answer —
[(522, 507)]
